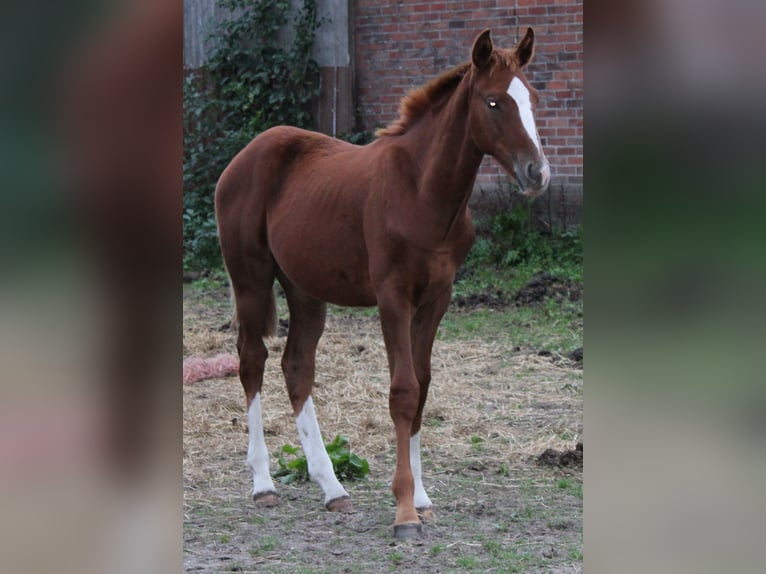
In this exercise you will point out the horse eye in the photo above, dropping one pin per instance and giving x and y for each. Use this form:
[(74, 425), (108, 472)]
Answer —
[(492, 103)]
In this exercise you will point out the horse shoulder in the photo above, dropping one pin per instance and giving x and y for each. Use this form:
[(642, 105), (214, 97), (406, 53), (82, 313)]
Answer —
[(396, 174)]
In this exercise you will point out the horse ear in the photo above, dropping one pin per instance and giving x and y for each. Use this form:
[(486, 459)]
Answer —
[(526, 47), (482, 50)]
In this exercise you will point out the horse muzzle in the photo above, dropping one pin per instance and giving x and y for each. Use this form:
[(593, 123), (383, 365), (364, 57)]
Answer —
[(534, 178)]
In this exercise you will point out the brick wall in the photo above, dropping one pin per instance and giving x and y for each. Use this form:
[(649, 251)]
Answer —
[(401, 45)]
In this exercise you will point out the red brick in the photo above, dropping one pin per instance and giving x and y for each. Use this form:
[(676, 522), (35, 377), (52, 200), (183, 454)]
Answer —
[(417, 44)]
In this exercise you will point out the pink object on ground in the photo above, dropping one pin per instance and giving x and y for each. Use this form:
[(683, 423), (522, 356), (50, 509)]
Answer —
[(198, 369)]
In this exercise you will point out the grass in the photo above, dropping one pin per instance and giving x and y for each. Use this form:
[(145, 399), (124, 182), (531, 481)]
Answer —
[(506, 559), (574, 486), (468, 562), (267, 544), (395, 557), (575, 554), (508, 253), (495, 266), (438, 549), (552, 327), (433, 422)]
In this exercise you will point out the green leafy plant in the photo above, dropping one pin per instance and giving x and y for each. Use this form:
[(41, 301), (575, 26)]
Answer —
[(295, 469), (293, 466), (347, 465)]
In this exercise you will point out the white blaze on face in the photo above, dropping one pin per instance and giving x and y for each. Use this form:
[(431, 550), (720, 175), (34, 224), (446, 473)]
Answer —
[(520, 94), (320, 466)]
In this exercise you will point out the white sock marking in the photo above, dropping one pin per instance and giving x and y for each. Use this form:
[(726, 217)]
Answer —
[(257, 455), (421, 498), (320, 466), (520, 94)]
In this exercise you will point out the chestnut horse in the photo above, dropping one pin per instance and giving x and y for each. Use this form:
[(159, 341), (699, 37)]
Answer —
[(384, 224)]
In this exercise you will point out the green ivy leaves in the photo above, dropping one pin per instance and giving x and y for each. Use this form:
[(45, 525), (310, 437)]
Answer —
[(255, 79)]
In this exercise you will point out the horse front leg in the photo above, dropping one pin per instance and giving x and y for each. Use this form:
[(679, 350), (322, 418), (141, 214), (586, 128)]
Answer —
[(395, 317), (423, 332)]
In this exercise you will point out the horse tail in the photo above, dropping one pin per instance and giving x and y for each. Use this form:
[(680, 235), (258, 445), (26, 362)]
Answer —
[(234, 321), (270, 324), (250, 277), (271, 321)]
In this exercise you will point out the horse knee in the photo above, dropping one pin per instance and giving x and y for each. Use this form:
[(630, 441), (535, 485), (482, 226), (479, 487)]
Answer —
[(255, 353), (291, 366), (404, 398), (252, 360), (423, 374)]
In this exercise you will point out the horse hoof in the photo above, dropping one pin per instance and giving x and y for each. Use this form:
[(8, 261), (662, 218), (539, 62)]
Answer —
[(266, 499), (426, 514), (408, 530), (341, 504)]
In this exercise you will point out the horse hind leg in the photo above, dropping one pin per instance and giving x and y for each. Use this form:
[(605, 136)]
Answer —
[(254, 309), (307, 319)]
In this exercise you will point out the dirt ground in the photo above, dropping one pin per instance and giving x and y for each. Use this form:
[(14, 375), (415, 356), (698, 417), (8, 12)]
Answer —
[(499, 455)]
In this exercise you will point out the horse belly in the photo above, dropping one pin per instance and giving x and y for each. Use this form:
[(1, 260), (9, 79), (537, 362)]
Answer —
[(315, 226), (325, 261)]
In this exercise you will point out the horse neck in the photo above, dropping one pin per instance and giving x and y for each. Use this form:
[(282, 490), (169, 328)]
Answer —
[(449, 161)]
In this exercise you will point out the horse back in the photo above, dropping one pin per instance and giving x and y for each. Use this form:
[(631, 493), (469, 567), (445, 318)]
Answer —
[(254, 179)]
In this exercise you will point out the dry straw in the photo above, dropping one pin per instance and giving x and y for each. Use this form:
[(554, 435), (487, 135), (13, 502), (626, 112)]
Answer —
[(487, 406)]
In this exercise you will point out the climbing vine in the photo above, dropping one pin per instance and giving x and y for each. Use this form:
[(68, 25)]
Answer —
[(259, 74)]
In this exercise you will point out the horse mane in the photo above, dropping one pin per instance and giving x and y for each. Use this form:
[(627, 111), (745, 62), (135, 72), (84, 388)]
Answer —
[(419, 100)]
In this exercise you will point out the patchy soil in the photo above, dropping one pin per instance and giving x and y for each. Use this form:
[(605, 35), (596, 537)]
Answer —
[(541, 287), (544, 286), (552, 457), (496, 300), (492, 413)]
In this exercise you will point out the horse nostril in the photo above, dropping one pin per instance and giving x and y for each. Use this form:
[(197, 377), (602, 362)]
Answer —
[(533, 171)]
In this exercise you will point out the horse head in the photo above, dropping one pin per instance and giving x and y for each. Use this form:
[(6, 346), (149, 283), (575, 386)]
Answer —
[(501, 114)]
